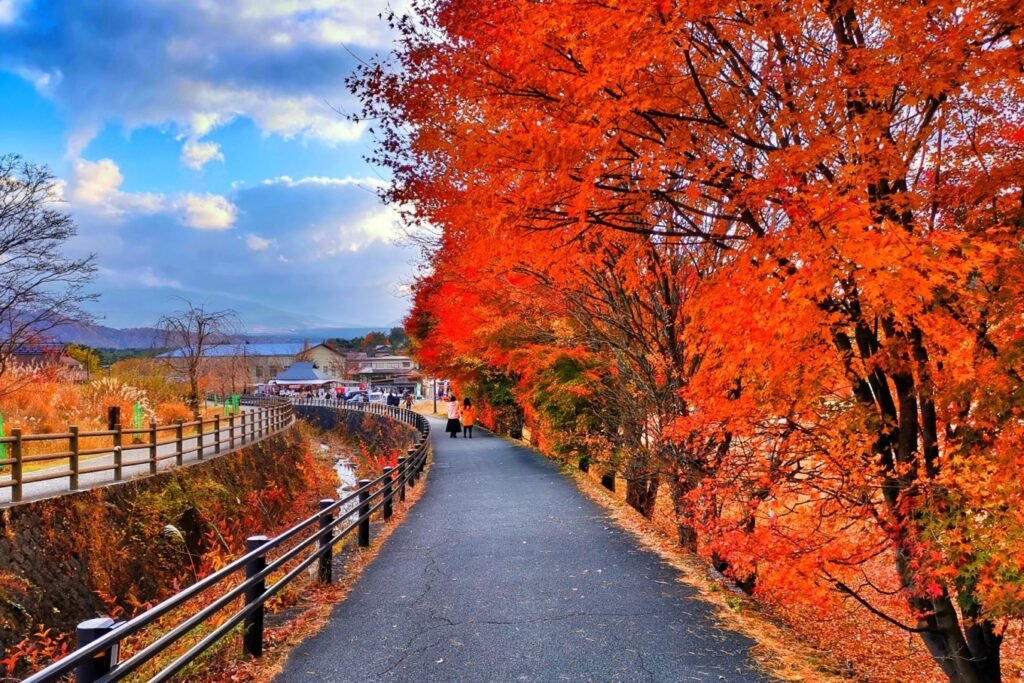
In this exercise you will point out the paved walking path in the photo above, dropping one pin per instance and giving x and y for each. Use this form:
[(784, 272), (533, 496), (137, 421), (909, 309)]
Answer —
[(504, 572)]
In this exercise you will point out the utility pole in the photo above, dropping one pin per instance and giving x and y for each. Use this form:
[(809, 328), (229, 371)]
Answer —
[(435, 394)]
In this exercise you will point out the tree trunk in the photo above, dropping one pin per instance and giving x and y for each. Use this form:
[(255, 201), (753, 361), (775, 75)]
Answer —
[(950, 649), (641, 494), (687, 533), (193, 398), (641, 482)]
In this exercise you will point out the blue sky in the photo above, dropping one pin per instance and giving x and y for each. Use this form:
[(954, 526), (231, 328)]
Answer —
[(200, 153)]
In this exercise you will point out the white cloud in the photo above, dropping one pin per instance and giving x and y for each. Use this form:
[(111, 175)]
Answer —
[(145, 276), (95, 186), (212, 104), (358, 232), (370, 184), (257, 243), (79, 138), (95, 182), (45, 82), (196, 153), (207, 211), (330, 255), (9, 11), (279, 63), (319, 22)]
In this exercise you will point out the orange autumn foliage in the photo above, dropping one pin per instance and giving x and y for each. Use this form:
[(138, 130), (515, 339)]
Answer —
[(765, 254)]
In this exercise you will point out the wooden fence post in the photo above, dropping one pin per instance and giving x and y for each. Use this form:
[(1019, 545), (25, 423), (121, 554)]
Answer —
[(199, 439), (152, 447), (179, 433), (118, 455), (16, 465), (231, 432), (216, 434), (75, 464)]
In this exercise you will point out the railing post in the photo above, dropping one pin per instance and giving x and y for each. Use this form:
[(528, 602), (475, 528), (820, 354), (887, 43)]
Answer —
[(388, 478), (410, 462), (99, 664), (199, 437), (75, 448), (179, 435), (252, 635), (16, 465), (324, 544), (231, 432), (152, 447), (118, 454), (403, 467), (216, 434), (364, 513)]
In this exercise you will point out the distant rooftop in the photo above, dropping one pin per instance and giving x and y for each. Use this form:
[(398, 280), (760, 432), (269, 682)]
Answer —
[(300, 372)]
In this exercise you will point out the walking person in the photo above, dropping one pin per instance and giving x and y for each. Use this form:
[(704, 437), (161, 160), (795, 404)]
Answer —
[(454, 426), (408, 400), (468, 417)]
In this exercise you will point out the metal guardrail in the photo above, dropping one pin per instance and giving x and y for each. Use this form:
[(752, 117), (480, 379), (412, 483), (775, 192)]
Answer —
[(70, 452), (96, 659)]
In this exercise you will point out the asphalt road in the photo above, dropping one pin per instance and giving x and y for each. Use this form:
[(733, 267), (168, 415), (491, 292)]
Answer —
[(504, 572)]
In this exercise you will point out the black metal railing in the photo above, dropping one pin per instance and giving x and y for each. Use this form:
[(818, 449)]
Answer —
[(96, 658)]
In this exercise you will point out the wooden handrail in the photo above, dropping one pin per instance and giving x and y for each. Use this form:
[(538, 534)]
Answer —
[(187, 438)]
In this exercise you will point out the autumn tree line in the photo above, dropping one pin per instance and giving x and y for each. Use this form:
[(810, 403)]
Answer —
[(763, 257)]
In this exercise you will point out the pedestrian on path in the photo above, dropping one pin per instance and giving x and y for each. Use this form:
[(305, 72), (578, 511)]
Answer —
[(408, 400), (454, 426), (468, 417)]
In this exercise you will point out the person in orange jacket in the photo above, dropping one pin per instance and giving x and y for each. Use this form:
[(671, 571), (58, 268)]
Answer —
[(468, 417)]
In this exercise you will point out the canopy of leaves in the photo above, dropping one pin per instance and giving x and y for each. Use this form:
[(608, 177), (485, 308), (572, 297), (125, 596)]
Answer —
[(771, 252)]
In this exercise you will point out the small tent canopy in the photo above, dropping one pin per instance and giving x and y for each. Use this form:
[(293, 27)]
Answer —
[(303, 373)]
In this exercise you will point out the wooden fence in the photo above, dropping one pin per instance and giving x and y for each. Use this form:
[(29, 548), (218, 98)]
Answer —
[(71, 455)]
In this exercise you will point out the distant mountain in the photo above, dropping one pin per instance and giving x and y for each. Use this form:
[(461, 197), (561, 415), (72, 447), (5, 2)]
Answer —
[(315, 335), (102, 337)]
